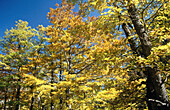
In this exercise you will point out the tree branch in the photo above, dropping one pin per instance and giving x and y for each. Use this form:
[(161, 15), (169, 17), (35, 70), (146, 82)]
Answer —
[(153, 16), (133, 45), (144, 11), (140, 30)]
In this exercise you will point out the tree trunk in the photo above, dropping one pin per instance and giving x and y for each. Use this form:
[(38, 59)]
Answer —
[(52, 82), (157, 98), (5, 102), (32, 101), (60, 79), (18, 96), (140, 30)]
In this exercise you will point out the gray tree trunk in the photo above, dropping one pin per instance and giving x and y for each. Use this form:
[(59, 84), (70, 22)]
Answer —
[(157, 98)]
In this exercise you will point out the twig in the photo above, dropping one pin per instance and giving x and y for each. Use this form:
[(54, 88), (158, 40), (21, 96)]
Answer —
[(144, 11), (154, 15)]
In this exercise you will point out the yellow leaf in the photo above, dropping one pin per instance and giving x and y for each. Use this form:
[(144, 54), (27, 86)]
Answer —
[(93, 3)]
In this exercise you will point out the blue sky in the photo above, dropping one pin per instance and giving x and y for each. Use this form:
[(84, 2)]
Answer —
[(32, 11)]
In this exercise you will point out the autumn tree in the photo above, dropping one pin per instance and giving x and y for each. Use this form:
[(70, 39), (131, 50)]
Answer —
[(116, 60), (145, 24), (76, 64), (15, 48)]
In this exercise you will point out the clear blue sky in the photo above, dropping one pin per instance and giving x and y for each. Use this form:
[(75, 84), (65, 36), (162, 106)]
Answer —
[(32, 11)]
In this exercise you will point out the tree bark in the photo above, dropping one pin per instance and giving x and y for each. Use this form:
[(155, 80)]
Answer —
[(60, 79), (52, 82), (157, 98), (32, 101), (18, 97), (18, 93), (132, 43), (140, 30), (5, 102)]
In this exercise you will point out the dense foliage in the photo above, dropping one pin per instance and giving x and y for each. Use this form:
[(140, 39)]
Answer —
[(117, 60)]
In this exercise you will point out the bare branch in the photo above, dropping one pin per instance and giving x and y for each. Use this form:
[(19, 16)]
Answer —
[(154, 15), (144, 11)]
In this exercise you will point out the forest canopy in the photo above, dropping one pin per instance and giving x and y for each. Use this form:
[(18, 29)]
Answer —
[(118, 60)]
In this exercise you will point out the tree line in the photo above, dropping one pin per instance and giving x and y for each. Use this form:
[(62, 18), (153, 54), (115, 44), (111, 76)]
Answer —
[(117, 60)]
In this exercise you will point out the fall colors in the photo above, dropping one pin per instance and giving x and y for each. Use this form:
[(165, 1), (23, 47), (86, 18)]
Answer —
[(83, 62)]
